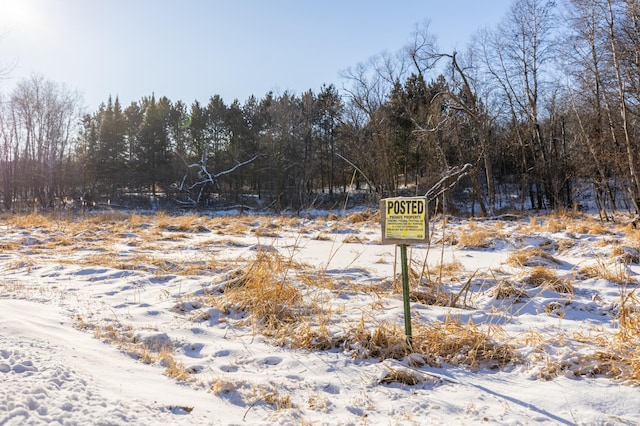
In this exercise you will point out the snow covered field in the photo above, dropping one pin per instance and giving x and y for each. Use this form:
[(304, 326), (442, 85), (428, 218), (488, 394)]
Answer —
[(117, 318)]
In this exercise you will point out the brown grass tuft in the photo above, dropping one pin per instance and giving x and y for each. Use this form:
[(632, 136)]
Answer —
[(616, 272), (508, 290), (625, 255), (353, 239), (312, 338), (365, 216), (222, 386), (531, 256), (453, 342), (268, 230), (587, 226), (555, 224), (384, 341), (149, 351), (447, 269), (541, 276), (476, 237), (263, 291), (405, 376)]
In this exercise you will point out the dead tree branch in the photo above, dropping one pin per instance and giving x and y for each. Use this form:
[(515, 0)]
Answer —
[(448, 181), (194, 193)]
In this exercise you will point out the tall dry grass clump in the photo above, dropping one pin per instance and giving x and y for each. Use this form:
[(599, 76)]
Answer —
[(531, 256), (619, 354), (385, 341), (628, 337), (556, 223), (509, 290), (543, 277), (179, 223), (451, 341), (263, 290), (364, 216), (448, 341), (111, 217), (34, 220), (312, 337), (475, 236), (587, 226), (615, 272)]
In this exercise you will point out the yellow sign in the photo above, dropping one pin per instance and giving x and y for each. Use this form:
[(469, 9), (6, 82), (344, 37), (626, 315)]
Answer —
[(404, 220)]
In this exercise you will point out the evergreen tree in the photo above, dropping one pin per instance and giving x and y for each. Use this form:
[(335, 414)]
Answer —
[(153, 150)]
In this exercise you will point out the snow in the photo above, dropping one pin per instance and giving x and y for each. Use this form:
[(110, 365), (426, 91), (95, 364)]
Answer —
[(67, 283)]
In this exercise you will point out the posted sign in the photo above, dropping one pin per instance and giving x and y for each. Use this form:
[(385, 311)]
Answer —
[(404, 220)]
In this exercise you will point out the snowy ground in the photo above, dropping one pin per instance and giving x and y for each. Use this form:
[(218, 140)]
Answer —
[(125, 319)]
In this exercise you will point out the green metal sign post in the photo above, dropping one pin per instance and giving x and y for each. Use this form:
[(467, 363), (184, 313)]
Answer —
[(405, 293), (404, 221)]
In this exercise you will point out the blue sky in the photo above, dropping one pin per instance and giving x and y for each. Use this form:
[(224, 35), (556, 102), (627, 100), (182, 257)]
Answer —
[(193, 49)]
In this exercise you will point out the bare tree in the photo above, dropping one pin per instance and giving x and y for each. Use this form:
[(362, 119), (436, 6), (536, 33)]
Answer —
[(462, 96), (518, 56), (41, 119), (371, 82), (193, 189), (614, 39), (585, 64)]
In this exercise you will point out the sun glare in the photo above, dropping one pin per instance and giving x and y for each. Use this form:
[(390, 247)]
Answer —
[(16, 15)]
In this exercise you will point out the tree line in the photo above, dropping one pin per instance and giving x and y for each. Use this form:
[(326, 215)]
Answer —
[(541, 105)]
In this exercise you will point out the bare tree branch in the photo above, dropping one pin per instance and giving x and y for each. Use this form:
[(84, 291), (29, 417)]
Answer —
[(448, 181), (206, 178)]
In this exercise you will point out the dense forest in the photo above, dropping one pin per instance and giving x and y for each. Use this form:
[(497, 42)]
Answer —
[(541, 106)]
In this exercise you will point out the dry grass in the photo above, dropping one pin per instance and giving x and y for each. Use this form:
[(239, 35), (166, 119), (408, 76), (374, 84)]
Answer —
[(447, 269), (268, 230), (94, 240), (149, 351), (623, 354), (276, 399), (459, 343), (629, 317), (624, 254), (9, 246), (252, 394), (149, 263), (181, 223), (566, 221), (546, 278), (230, 225), (613, 355), (406, 376), (323, 236), (431, 297), (263, 290), (476, 237), (531, 256), (363, 217), (295, 305), (279, 310), (22, 262), (33, 220), (353, 239), (33, 291), (555, 224), (615, 272), (309, 337), (588, 227), (509, 290), (440, 342), (221, 386), (382, 342)]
